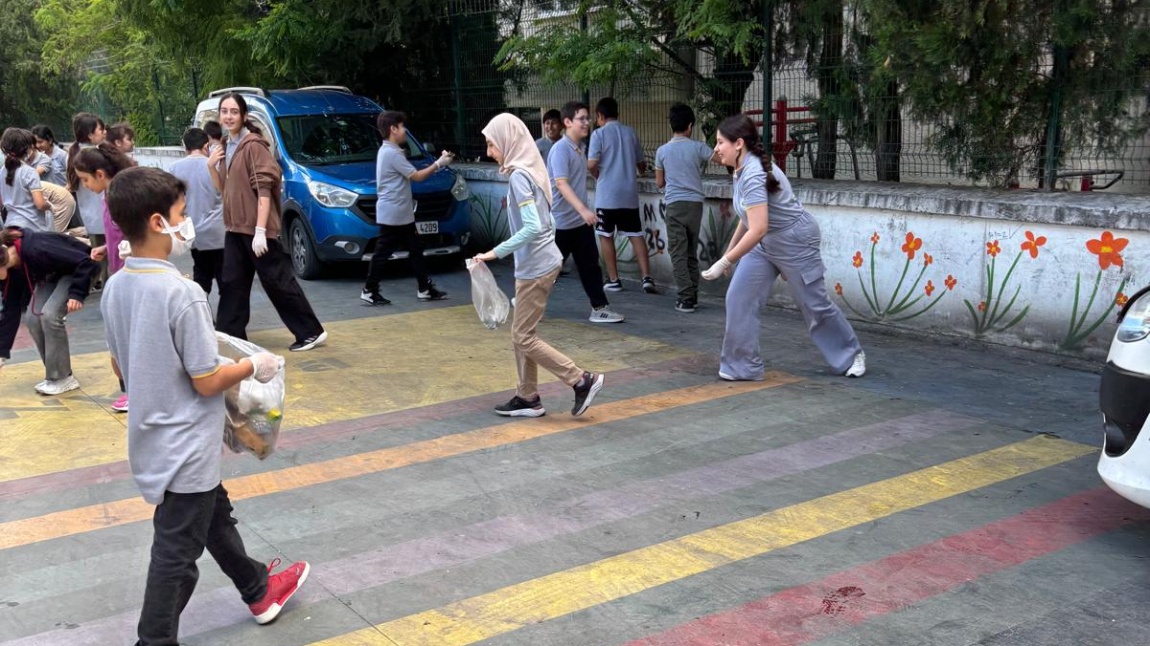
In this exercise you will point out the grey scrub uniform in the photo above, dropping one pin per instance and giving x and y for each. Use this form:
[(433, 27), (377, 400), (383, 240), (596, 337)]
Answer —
[(791, 247)]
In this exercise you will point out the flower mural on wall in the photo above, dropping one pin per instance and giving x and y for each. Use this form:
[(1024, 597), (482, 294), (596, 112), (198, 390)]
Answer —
[(900, 305), (1109, 251), (990, 314)]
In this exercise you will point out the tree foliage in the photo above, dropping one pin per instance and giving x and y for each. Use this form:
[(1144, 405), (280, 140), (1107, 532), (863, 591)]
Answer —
[(29, 93)]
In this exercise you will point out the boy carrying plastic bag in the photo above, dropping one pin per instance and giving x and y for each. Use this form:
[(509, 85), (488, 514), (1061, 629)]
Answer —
[(254, 409)]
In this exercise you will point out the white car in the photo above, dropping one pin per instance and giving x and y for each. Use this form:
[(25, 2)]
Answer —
[(1125, 399)]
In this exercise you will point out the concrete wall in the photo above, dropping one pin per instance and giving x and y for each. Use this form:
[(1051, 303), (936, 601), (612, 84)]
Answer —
[(1038, 270)]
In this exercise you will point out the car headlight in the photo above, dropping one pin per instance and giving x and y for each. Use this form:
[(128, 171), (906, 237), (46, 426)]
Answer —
[(459, 188), (1135, 325), (329, 195)]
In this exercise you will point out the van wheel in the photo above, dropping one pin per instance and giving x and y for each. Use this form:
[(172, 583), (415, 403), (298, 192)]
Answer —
[(304, 262)]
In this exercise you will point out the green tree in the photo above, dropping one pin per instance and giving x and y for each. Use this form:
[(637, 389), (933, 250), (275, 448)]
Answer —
[(29, 93)]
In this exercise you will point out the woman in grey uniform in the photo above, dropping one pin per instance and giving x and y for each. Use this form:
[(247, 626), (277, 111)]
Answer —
[(775, 235)]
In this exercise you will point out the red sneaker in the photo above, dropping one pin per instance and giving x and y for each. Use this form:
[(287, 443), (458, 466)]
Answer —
[(281, 587)]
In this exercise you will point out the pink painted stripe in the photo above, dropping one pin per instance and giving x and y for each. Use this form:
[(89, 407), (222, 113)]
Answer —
[(813, 611), (324, 433)]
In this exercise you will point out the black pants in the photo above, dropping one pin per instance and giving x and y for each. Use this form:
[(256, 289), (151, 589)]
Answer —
[(208, 265), (184, 524), (274, 269), (392, 239), (580, 242)]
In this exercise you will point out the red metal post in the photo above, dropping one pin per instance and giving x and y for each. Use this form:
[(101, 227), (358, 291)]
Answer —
[(779, 138)]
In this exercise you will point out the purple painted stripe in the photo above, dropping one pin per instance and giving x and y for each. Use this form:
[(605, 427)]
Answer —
[(325, 433), (220, 608)]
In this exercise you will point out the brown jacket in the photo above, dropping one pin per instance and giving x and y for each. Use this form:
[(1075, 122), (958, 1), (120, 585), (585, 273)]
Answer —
[(252, 174)]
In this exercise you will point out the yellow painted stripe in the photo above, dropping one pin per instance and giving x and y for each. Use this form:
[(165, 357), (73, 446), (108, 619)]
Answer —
[(120, 512), (555, 595)]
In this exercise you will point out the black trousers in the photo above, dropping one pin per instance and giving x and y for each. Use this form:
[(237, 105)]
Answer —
[(581, 243), (274, 269), (184, 524), (392, 239), (208, 265)]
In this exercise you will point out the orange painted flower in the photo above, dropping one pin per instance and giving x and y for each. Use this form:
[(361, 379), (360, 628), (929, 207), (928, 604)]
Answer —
[(874, 238), (950, 282), (857, 260), (1120, 299), (929, 288), (982, 306), (992, 248), (927, 260), (1108, 249), (1032, 244), (912, 245), (839, 289)]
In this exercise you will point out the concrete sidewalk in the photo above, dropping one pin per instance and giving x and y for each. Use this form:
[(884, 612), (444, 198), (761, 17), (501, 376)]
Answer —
[(948, 497)]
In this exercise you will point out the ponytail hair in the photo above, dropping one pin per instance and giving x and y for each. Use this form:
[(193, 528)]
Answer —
[(105, 157), (740, 126), (15, 143), (83, 125), (243, 105)]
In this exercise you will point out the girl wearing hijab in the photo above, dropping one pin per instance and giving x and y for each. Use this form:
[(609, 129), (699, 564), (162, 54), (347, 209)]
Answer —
[(537, 265), (787, 243)]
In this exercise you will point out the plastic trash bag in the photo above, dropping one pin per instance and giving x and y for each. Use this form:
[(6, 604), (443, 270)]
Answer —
[(254, 410), (490, 302)]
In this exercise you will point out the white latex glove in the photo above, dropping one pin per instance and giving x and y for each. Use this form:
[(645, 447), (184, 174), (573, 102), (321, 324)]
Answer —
[(445, 160), (124, 249), (721, 266), (266, 366), (260, 242)]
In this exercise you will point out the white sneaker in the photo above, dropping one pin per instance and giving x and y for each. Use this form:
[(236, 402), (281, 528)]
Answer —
[(604, 315), (858, 368), (40, 385), (512, 301), (58, 386), (725, 377)]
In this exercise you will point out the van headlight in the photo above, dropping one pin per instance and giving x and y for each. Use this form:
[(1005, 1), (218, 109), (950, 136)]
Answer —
[(1135, 326), (329, 195), (459, 188)]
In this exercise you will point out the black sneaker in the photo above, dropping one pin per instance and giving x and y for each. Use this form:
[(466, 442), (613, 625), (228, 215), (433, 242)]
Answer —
[(613, 286), (519, 407), (373, 297), (431, 293), (685, 306), (308, 343), (585, 392), (649, 285)]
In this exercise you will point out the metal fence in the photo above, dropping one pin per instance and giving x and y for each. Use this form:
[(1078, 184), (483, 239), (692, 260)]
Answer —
[(818, 128)]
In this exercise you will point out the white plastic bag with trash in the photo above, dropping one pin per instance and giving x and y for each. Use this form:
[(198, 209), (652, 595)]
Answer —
[(490, 301), (254, 410)]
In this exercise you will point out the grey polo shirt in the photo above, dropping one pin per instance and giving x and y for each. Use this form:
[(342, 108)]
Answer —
[(682, 161), (59, 173), (160, 333), (566, 161), (750, 189), (617, 148), (537, 256), (544, 145), (204, 204), (394, 205), (22, 211)]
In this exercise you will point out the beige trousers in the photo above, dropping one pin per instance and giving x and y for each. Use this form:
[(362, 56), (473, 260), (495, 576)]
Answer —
[(531, 351)]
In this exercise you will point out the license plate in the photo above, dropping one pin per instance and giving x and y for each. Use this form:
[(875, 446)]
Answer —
[(427, 228)]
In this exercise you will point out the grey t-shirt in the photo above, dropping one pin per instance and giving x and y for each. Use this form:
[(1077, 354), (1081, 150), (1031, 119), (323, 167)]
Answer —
[(59, 173), (22, 211), (394, 205), (538, 256), (544, 145), (617, 148), (783, 208), (204, 205), (90, 205), (160, 333), (566, 161), (682, 161)]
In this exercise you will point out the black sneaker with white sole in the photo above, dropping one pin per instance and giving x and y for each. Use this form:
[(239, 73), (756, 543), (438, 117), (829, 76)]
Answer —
[(307, 344), (685, 306), (649, 285), (373, 297), (585, 392), (613, 286), (519, 407), (431, 294)]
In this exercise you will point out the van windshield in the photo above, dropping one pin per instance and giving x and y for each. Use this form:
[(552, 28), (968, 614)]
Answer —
[(323, 139)]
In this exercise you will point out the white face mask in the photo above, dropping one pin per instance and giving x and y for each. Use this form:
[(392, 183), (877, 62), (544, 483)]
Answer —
[(183, 242)]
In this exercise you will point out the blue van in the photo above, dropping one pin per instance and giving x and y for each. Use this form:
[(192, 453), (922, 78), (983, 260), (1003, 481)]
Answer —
[(325, 139)]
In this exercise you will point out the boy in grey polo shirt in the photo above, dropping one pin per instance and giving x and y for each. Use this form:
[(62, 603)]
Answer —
[(163, 345), (205, 207), (395, 209), (679, 165)]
